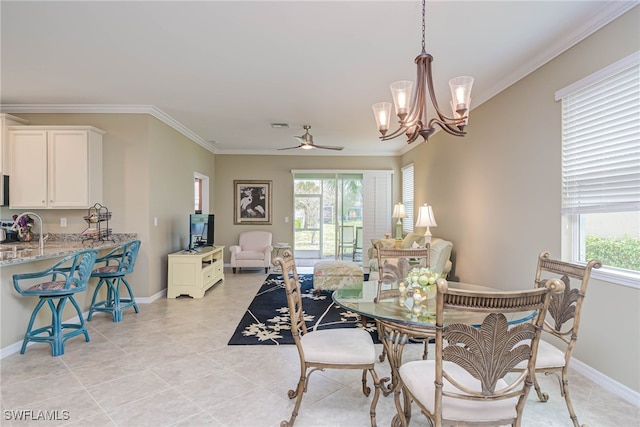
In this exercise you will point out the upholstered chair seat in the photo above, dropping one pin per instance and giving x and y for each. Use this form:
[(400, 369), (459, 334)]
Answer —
[(349, 346)]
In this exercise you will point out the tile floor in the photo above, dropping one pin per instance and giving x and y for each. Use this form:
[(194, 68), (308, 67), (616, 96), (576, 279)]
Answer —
[(170, 366)]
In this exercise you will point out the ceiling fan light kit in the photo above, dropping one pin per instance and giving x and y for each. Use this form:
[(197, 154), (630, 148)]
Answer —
[(411, 109), (306, 142)]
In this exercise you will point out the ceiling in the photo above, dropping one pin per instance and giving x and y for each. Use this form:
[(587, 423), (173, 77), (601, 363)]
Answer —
[(222, 72)]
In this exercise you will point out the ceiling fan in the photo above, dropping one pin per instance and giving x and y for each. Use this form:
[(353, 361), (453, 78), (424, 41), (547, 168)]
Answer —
[(306, 142)]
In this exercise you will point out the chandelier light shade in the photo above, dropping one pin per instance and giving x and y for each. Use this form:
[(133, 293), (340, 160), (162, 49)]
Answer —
[(399, 212), (426, 219), (411, 103)]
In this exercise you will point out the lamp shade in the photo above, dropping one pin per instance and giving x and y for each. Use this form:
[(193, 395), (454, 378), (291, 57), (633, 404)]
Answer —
[(426, 217), (399, 211)]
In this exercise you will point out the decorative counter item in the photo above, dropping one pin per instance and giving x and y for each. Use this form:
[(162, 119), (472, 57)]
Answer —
[(23, 228), (98, 229)]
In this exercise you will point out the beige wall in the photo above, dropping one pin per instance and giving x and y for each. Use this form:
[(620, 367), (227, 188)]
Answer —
[(496, 194), (277, 169)]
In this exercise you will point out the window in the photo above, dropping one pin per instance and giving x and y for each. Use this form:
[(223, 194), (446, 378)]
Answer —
[(601, 171), (407, 198), (197, 197), (200, 193)]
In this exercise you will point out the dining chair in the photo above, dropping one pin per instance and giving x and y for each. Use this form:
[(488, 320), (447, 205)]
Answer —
[(65, 278), (112, 271), (358, 244), (326, 348), (469, 382), (393, 266), (563, 322), (347, 240)]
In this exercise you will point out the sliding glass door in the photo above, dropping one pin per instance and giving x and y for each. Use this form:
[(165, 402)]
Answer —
[(328, 215)]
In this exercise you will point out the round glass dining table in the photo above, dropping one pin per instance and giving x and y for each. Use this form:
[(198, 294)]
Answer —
[(401, 320), (359, 298)]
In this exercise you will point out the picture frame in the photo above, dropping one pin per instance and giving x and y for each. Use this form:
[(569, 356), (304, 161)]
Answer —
[(252, 202)]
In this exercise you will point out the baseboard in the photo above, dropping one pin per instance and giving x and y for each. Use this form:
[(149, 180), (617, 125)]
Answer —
[(609, 384), (152, 298)]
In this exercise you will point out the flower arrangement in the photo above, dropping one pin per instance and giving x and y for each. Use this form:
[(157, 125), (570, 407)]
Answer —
[(421, 281), (23, 227)]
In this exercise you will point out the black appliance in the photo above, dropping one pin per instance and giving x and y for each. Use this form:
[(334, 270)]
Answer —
[(4, 190)]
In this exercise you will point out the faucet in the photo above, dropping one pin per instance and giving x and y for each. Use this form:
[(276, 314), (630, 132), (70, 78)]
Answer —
[(15, 227)]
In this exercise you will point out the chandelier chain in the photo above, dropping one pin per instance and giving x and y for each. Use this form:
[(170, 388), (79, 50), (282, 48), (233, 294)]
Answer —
[(423, 24)]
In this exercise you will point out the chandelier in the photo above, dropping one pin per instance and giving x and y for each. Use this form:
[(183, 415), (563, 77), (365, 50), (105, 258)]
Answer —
[(411, 109)]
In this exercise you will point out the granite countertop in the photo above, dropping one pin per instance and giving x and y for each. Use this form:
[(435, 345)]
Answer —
[(56, 245)]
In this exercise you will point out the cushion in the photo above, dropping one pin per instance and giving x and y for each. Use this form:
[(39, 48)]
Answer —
[(51, 286), (108, 269), (348, 346), (250, 255), (419, 376), (548, 356), (386, 243), (332, 275), (410, 238)]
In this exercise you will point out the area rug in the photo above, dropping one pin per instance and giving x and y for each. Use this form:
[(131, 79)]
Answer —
[(267, 321)]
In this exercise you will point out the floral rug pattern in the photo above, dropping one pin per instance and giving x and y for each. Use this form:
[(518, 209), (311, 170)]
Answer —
[(267, 321)]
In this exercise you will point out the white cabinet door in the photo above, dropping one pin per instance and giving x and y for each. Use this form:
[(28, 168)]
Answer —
[(7, 120), (55, 167), (68, 169), (28, 182)]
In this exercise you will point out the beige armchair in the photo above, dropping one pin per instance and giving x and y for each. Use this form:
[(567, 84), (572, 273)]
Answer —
[(439, 258), (253, 250)]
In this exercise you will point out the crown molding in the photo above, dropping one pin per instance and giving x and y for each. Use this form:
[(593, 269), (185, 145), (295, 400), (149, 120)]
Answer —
[(609, 12), (110, 109)]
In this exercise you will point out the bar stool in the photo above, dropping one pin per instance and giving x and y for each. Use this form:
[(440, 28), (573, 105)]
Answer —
[(74, 280), (117, 264)]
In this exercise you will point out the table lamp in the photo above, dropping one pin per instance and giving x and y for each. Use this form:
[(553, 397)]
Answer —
[(426, 219), (399, 212)]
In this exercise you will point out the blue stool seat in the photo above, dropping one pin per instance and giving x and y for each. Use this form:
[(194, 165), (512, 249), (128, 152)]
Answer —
[(64, 282), (117, 264)]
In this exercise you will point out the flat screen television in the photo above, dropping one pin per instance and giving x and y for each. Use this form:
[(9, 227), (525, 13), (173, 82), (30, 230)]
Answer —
[(201, 230)]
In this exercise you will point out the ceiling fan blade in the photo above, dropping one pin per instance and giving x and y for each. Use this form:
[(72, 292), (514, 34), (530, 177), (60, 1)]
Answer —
[(328, 147), (290, 148)]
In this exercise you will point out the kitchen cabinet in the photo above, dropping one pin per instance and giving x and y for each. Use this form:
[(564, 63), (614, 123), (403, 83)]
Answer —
[(7, 120), (55, 167), (192, 273)]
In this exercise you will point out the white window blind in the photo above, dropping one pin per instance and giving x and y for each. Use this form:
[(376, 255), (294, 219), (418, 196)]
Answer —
[(601, 145), (408, 198)]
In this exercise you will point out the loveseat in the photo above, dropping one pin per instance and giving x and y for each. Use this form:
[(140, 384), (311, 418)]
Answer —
[(440, 253)]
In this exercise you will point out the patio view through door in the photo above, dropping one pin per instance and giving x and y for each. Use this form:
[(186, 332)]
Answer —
[(328, 216)]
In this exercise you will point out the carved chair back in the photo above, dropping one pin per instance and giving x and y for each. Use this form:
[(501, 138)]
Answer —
[(563, 317), (394, 264), (487, 348)]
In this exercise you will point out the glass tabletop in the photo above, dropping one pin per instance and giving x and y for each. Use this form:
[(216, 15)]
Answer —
[(359, 298)]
